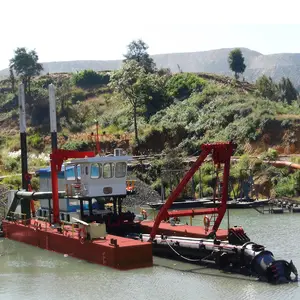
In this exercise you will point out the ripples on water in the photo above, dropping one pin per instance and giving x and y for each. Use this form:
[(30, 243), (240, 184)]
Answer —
[(29, 273)]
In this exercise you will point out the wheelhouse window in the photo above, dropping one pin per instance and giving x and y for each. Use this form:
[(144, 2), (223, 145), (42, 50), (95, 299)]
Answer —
[(70, 172), (78, 170), (121, 168), (108, 170), (96, 171)]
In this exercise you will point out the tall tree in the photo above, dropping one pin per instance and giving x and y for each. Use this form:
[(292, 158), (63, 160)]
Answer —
[(132, 82), (64, 93), (236, 62), (137, 50), (26, 66), (267, 88), (287, 90), (12, 79)]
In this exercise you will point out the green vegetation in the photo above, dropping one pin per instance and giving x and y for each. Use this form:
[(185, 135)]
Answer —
[(182, 85), (137, 51), (148, 110), (88, 78), (26, 65), (284, 91), (236, 62)]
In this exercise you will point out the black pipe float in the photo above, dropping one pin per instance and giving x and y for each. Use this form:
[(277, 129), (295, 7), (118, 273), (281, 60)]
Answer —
[(37, 195), (248, 259)]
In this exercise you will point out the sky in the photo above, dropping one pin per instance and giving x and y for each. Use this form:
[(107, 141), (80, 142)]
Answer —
[(62, 30)]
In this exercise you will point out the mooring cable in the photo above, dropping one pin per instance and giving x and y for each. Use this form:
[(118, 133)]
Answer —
[(186, 258)]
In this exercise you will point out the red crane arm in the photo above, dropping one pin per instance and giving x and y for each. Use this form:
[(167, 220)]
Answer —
[(221, 153), (57, 158)]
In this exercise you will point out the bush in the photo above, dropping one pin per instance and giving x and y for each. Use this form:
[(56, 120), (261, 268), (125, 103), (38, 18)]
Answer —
[(35, 183), (78, 95), (89, 78), (267, 88), (13, 182), (12, 164), (43, 82), (35, 141), (182, 85), (271, 154), (76, 145), (285, 188)]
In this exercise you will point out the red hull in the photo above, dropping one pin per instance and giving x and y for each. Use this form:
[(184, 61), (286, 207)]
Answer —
[(128, 254)]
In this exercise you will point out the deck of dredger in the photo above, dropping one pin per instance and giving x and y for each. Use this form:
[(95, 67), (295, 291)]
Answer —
[(146, 226), (112, 251), (182, 230)]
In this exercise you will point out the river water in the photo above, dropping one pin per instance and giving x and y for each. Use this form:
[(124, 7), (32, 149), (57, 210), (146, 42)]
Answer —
[(29, 273)]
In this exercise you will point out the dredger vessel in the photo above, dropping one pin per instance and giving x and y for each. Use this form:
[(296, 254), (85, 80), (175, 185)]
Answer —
[(73, 220)]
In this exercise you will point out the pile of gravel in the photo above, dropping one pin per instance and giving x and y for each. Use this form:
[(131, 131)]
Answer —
[(144, 193)]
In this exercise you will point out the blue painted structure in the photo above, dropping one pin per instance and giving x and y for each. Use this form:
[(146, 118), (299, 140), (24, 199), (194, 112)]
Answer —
[(45, 173)]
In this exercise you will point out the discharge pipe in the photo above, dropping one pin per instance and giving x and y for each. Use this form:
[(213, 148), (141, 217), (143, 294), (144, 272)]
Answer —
[(253, 257)]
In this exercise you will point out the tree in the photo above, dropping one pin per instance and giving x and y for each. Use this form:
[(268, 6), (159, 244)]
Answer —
[(137, 50), (12, 79), (267, 88), (236, 62), (182, 85), (64, 94), (132, 82), (158, 97), (287, 90), (26, 66)]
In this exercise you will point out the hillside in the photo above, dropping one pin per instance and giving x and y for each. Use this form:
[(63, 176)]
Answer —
[(185, 111), (226, 109), (213, 61)]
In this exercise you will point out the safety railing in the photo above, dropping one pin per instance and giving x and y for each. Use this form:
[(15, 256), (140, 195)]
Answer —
[(45, 220), (17, 217), (65, 230)]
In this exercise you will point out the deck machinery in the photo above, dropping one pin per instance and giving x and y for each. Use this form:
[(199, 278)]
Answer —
[(105, 177)]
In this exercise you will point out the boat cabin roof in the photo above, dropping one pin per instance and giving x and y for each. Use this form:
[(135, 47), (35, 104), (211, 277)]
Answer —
[(99, 159)]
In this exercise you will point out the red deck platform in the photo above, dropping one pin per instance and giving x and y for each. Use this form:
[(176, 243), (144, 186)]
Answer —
[(128, 254), (181, 230)]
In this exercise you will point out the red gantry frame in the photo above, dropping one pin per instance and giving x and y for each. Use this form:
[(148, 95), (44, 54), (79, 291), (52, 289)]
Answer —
[(221, 154), (57, 158)]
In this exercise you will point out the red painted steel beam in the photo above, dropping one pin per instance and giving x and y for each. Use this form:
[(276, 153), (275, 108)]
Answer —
[(57, 158), (163, 213), (221, 153), (222, 208), (192, 212)]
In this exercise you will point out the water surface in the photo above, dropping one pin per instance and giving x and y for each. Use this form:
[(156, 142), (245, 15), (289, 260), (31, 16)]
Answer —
[(29, 273)]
